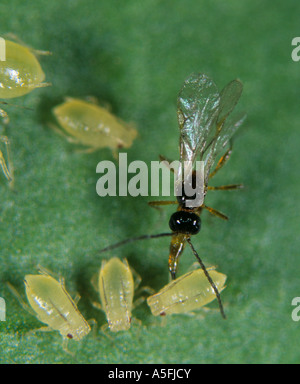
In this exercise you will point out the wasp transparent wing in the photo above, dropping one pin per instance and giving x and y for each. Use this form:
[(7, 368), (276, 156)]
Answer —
[(229, 127), (229, 97), (203, 120), (198, 110), (225, 128)]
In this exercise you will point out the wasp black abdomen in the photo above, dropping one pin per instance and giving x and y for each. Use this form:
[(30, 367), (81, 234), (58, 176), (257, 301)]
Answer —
[(185, 222)]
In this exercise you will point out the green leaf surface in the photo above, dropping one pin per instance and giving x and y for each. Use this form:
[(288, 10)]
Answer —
[(134, 56)]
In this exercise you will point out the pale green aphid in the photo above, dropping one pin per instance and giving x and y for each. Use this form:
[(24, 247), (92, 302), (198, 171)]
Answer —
[(93, 126), (116, 288), (186, 294), (6, 165), (51, 304), (55, 307), (20, 73)]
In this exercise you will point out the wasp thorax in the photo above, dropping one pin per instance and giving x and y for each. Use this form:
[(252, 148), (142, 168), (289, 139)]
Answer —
[(185, 222)]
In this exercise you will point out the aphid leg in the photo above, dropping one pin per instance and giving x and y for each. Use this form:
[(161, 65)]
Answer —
[(141, 299), (93, 324), (20, 300), (146, 289), (94, 281), (48, 329), (138, 302), (63, 285), (41, 329), (61, 133), (39, 85), (65, 347), (136, 277), (90, 99), (4, 114), (215, 212), (115, 153), (6, 167), (138, 290), (208, 310), (48, 272), (104, 328), (44, 271), (97, 305), (71, 140), (104, 331), (164, 320), (12, 36), (39, 52), (136, 321), (208, 278), (195, 266), (137, 281), (77, 298), (87, 150)]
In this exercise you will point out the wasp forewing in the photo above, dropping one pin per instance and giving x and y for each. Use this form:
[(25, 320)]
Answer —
[(204, 128)]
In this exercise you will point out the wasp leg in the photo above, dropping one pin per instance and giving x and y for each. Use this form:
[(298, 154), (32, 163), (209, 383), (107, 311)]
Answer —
[(167, 163), (157, 204), (226, 187), (214, 212), (162, 202), (221, 162)]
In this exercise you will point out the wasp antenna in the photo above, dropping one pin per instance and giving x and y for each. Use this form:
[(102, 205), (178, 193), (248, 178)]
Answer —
[(133, 239), (208, 278)]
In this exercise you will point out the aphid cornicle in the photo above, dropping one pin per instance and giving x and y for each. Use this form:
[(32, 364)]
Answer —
[(93, 126), (116, 289), (20, 73), (187, 293), (52, 305)]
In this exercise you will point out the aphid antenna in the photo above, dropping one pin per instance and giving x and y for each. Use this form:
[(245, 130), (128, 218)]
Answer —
[(133, 239), (208, 278), (16, 105)]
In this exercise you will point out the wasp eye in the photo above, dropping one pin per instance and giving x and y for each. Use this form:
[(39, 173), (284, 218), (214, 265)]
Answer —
[(185, 222)]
